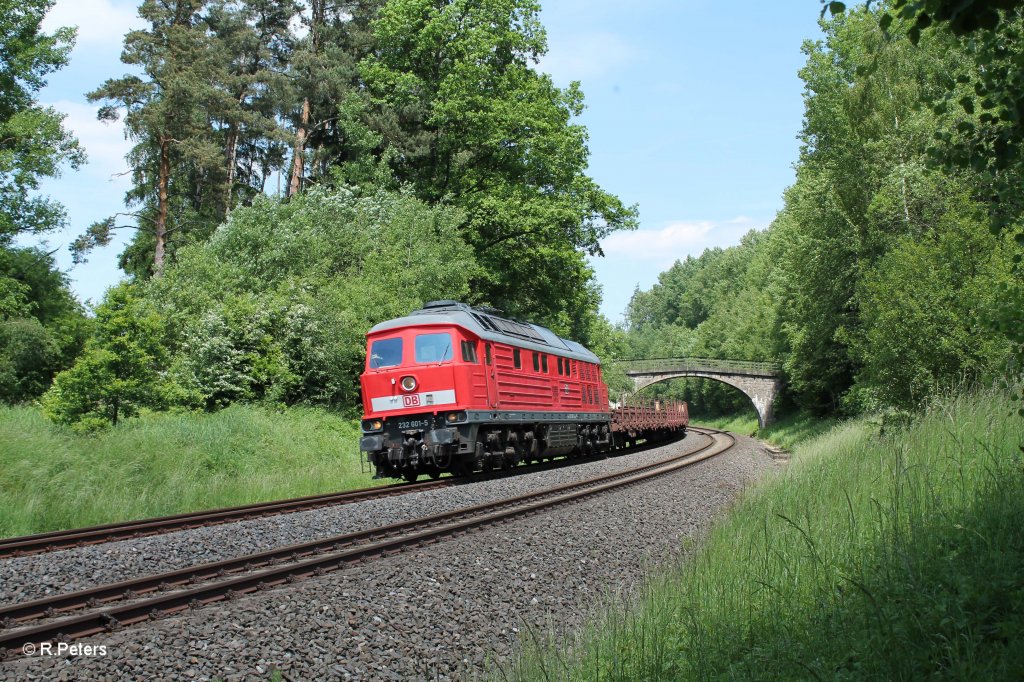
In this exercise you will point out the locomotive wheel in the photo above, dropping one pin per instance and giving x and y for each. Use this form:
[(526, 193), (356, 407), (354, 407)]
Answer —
[(435, 473), (410, 475)]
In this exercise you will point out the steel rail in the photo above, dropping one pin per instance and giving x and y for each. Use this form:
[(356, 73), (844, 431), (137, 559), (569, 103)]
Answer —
[(93, 535), (329, 554), (130, 589)]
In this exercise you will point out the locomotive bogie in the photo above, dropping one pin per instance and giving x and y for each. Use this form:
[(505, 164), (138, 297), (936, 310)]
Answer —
[(409, 446)]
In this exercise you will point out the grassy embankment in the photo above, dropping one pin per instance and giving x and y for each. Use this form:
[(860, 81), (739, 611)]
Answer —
[(882, 557), (158, 464), (786, 432)]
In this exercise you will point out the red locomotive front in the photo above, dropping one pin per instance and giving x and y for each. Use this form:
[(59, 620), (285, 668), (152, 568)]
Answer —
[(418, 368)]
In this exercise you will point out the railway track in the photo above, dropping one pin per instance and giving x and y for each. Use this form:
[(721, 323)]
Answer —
[(209, 583), (27, 545), (94, 535)]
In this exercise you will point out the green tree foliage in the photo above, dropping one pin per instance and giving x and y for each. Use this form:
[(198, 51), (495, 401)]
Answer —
[(466, 120), (927, 302), (202, 110), (42, 326), (865, 190), (120, 371), (441, 97), (276, 305), (33, 141), (880, 282), (979, 108), (256, 38), (26, 360), (962, 17), (717, 305), (328, 103)]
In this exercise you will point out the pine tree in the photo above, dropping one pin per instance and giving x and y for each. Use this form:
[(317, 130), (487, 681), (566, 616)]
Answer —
[(170, 112)]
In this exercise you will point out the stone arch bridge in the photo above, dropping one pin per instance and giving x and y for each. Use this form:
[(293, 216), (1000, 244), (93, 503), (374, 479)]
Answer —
[(759, 381)]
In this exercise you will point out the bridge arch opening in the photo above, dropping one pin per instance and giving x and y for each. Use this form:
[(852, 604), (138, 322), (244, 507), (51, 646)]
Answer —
[(734, 402), (759, 381)]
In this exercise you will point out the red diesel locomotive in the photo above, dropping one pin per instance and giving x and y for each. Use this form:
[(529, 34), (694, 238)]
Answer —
[(460, 389)]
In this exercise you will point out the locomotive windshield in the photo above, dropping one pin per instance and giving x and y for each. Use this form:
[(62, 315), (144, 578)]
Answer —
[(433, 347), (385, 353)]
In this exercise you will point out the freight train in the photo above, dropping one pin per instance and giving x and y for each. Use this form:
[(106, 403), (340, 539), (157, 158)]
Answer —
[(453, 388)]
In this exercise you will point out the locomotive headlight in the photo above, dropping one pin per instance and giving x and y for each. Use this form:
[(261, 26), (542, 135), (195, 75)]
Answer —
[(370, 425), (453, 417), (408, 384)]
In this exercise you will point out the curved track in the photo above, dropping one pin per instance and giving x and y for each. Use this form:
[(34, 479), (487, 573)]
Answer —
[(93, 535), (209, 583)]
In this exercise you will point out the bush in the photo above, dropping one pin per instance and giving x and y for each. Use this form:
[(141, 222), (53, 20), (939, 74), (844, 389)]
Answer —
[(27, 355), (276, 305), (121, 370), (42, 326)]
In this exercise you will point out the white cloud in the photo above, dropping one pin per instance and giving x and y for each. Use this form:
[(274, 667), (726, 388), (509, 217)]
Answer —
[(585, 56), (103, 142), (671, 242), (635, 259), (99, 22)]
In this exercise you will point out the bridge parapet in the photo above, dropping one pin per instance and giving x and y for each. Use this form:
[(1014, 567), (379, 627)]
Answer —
[(662, 365)]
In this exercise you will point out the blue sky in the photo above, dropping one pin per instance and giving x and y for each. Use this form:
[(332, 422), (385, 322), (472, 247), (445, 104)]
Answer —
[(693, 107)]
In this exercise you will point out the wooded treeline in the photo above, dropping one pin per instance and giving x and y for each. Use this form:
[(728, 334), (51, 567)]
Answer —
[(411, 148), (894, 270), (304, 170), (437, 97)]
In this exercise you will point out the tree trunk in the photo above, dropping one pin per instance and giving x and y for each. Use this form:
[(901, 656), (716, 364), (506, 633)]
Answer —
[(318, 10), (232, 151), (298, 158), (232, 157), (161, 212)]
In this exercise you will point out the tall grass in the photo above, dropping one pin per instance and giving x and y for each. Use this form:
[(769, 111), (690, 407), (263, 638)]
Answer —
[(895, 557), (786, 432), (52, 478)]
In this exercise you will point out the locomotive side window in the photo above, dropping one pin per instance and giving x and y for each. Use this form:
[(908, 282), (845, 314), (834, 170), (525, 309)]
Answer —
[(469, 351), (544, 363), (536, 362), (561, 370), (433, 347), (487, 352), (385, 353), (517, 360)]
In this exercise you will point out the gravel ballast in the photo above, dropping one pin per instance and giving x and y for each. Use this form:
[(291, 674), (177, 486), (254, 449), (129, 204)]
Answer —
[(442, 612), (43, 575)]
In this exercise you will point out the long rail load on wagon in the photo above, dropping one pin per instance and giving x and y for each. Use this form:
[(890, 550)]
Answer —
[(452, 388)]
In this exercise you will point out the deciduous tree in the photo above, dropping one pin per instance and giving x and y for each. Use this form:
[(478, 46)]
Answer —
[(33, 141), (470, 121)]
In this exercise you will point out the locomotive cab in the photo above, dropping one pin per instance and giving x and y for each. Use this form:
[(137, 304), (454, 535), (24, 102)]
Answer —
[(414, 382)]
